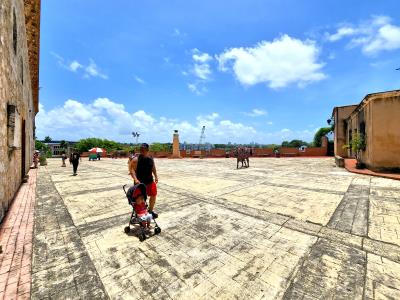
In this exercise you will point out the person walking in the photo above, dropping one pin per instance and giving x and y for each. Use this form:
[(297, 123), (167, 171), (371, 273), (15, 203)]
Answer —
[(131, 156), (36, 155), (63, 158), (74, 160), (142, 168)]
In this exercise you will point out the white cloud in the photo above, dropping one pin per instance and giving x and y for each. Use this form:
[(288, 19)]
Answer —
[(201, 67), (341, 33), (373, 36), (74, 66), (200, 72), (278, 63), (59, 58), (197, 88), (139, 80), (178, 33), (92, 70), (105, 118), (200, 57), (256, 113), (193, 88)]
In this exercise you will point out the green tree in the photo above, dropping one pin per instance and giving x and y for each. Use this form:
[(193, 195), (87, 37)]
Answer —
[(285, 144), (109, 145), (276, 148), (294, 143), (298, 143), (63, 146), (43, 148), (47, 139), (267, 146), (357, 145), (319, 134), (220, 146), (156, 147), (84, 145)]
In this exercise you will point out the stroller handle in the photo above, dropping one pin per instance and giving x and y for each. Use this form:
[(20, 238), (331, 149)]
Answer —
[(124, 187)]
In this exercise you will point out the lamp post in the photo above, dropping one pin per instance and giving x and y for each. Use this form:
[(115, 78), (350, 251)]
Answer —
[(136, 135)]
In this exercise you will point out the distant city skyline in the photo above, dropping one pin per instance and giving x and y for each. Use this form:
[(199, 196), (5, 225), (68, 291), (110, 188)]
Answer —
[(250, 71)]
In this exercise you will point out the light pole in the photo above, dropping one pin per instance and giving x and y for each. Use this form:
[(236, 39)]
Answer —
[(136, 135)]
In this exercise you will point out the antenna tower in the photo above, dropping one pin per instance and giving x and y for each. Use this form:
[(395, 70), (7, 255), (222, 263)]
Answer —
[(202, 137)]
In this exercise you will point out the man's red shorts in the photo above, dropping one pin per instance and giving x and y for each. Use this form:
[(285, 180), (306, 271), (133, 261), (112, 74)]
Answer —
[(151, 189)]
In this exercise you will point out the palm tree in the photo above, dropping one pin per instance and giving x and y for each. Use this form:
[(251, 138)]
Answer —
[(64, 146)]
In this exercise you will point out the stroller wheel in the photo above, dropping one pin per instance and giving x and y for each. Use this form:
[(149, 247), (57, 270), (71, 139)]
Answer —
[(157, 230), (127, 229), (142, 237)]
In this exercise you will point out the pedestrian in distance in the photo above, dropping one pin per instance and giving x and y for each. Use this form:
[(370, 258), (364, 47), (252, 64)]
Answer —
[(74, 160), (63, 158)]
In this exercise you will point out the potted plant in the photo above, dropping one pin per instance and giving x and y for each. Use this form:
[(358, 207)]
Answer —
[(43, 160), (357, 145)]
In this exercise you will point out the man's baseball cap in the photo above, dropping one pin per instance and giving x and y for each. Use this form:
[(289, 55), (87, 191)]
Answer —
[(144, 146)]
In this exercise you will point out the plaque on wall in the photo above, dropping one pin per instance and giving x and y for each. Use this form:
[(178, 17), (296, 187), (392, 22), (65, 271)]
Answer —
[(13, 126)]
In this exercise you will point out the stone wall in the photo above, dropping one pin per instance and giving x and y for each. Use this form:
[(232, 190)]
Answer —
[(386, 133), (15, 96), (380, 114), (341, 114)]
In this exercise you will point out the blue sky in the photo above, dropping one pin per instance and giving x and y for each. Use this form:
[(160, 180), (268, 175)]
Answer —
[(262, 71)]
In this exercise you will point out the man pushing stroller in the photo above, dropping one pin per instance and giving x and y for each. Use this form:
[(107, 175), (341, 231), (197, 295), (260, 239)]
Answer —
[(137, 196), (142, 168)]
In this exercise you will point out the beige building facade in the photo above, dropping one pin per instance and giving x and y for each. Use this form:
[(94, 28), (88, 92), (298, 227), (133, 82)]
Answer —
[(19, 88), (377, 120)]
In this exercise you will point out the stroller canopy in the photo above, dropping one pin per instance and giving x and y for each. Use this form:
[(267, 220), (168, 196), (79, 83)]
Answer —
[(135, 191)]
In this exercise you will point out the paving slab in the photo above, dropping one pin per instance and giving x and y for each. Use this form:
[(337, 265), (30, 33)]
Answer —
[(281, 229), (16, 232)]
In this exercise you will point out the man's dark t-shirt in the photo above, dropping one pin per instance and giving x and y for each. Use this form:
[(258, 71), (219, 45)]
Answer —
[(75, 157), (144, 169)]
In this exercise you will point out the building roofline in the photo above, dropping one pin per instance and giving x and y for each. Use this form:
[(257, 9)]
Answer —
[(366, 98), (333, 111), (57, 142), (380, 93), (369, 96), (32, 25)]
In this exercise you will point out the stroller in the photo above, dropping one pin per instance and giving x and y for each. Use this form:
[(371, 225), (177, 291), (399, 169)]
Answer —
[(134, 218)]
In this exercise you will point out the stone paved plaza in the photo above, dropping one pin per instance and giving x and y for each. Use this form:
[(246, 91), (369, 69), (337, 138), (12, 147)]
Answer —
[(287, 228)]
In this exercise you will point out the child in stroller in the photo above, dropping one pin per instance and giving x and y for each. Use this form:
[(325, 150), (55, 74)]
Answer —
[(137, 196)]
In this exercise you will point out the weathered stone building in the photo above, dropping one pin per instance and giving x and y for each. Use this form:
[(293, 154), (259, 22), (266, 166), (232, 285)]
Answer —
[(377, 120), (19, 89)]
